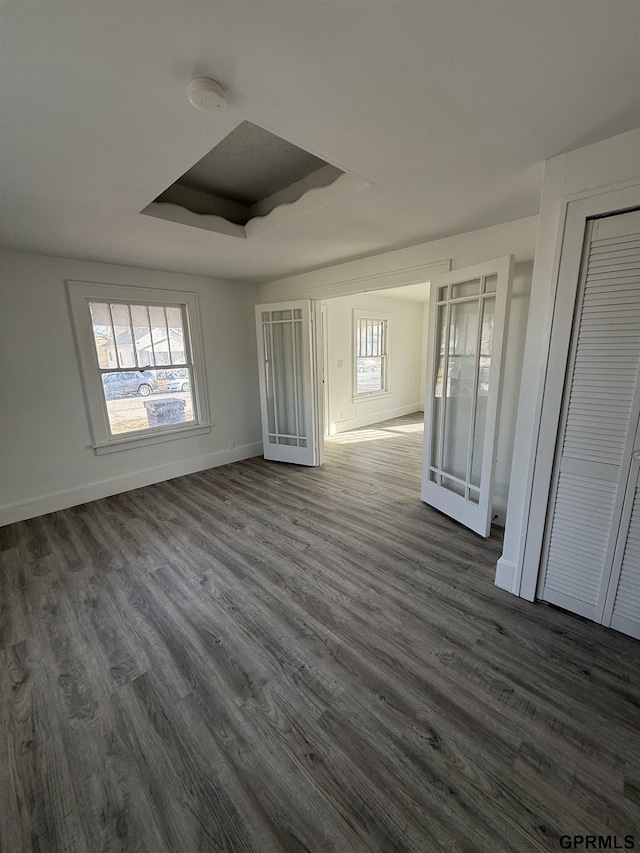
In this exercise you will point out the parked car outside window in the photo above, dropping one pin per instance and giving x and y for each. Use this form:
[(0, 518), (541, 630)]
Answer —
[(177, 380), (134, 383), (368, 364)]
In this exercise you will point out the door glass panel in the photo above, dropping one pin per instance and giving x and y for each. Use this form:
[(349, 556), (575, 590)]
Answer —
[(283, 370), (281, 315), (465, 288), (287, 440), (453, 486), (459, 399), (490, 283), (441, 337), (474, 496), (482, 395), (442, 292), (297, 328), (268, 376)]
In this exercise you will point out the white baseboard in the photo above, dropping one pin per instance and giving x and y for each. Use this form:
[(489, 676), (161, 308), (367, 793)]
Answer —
[(373, 418), (103, 489), (506, 575)]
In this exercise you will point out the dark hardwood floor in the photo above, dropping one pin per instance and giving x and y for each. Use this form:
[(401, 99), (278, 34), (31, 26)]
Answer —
[(266, 658)]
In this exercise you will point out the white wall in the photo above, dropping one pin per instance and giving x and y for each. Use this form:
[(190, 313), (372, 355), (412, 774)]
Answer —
[(517, 238), (404, 365), (46, 458), (589, 171)]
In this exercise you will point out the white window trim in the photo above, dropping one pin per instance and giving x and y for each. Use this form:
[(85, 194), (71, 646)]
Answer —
[(80, 294), (360, 314)]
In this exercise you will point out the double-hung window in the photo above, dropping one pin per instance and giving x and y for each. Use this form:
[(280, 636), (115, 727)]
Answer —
[(141, 358), (371, 342)]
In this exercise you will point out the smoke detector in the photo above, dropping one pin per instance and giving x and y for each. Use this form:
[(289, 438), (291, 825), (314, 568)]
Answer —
[(207, 95)]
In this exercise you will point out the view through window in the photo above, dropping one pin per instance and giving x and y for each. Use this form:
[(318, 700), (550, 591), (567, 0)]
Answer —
[(144, 363), (371, 355)]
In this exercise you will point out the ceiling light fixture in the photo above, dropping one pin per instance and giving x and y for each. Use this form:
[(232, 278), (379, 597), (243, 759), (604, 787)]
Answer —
[(207, 95)]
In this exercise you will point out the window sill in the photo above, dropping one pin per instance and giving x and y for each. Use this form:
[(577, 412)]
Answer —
[(117, 444), (373, 395)]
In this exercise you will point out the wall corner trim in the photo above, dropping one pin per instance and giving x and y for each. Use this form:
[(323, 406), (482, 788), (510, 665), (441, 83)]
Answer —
[(506, 575), (55, 501)]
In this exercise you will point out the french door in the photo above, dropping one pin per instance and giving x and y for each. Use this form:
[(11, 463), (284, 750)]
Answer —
[(467, 315), (287, 350), (591, 554)]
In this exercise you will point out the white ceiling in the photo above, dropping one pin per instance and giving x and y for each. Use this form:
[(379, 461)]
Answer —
[(447, 108)]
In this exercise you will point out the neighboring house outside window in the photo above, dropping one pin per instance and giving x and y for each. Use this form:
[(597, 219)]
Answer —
[(142, 364), (371, 342)]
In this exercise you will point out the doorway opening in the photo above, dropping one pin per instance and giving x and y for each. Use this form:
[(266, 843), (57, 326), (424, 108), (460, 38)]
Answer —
[(374, 356), (374, 377), (363, 358)]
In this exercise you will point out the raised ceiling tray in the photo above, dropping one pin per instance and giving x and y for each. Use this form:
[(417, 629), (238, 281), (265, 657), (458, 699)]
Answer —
[(252, 180)]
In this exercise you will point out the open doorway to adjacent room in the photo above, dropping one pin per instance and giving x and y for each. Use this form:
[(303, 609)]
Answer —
[(374, 356), (374, 377)]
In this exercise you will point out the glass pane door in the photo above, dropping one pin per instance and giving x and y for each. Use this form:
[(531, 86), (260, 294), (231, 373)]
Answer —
[(464, 368), (285, 353)]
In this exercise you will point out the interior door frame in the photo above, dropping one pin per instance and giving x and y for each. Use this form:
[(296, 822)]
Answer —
[(351, 286), (574, 213), (321, 311)]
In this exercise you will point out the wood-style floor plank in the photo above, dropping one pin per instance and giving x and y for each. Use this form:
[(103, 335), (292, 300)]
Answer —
[(264, 658)]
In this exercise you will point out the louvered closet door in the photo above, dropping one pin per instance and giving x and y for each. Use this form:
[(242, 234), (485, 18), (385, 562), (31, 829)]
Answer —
[(599, 422), (622, 610)]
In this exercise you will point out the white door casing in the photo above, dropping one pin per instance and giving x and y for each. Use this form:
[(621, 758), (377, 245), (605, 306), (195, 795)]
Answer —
[(467, 322)]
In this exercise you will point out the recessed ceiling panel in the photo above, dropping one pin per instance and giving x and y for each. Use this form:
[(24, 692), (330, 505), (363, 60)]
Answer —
[(249, 165), (249, 175)]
